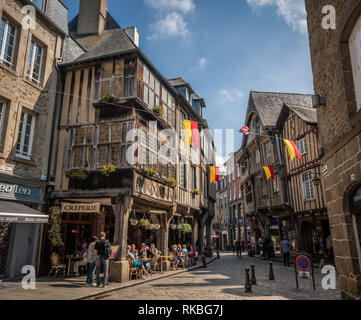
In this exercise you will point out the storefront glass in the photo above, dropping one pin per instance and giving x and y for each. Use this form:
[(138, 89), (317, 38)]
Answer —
[(5, 231)]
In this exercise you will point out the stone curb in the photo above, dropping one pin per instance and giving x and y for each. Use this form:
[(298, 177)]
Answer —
[(130, 284)]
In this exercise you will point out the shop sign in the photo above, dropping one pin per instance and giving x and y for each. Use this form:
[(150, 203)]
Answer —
[(6, 169), (80, 207), (19, 192)]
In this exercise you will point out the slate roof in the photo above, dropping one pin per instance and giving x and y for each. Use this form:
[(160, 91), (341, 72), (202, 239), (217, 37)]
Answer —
[(269, 104), (307, 114)]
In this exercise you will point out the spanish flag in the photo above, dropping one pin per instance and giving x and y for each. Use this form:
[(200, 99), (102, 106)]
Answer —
[(292, 149), (269, 172), (187, 132), (214, 174)]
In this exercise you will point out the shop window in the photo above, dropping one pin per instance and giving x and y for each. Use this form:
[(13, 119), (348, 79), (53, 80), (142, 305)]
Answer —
[(308, 188), (8, 35), (26, 134), (355, 53), (36, 57)]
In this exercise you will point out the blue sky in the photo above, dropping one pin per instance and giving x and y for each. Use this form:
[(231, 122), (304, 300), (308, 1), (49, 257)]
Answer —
[(223, 49)]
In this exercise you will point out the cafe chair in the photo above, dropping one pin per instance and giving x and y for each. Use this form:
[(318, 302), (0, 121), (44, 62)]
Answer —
[(173, 261), (133, 271), (154, 264), (56, 267)]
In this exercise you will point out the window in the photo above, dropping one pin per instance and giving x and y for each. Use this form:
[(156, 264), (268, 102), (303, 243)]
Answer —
[(2, 121), (302, 147), (308, 188), (238, 170), (40, 4), (355, 54), (182, 173), (36, 56), (181, 125), (267, 149), (264, 189), (276, 185), (8, 33), (26, 135), (193, 177)]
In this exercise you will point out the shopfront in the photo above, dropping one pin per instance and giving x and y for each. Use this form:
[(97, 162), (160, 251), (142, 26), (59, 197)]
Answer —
[(21, 223)]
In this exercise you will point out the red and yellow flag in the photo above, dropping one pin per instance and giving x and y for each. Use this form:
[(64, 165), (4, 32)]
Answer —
[(214, 174), (195, 134), (187, 132), (269, 172), (292, 149)]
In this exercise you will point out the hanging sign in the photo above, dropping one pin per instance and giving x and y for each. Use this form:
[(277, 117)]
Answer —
[(80, 207)]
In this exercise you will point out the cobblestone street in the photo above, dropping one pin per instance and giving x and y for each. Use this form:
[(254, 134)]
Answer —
[(224, 279)]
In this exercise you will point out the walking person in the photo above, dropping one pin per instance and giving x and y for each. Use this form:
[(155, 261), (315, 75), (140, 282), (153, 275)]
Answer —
[(286, 251), (91, 261), (102, 253)]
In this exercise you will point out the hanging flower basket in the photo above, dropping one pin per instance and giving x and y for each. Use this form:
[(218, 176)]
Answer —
[(173, 226), (110, 98), (108, 169), (55, 227), (78, 174), (144, 223), (133, 222), (179, 226), (186, 228), (157, 226)]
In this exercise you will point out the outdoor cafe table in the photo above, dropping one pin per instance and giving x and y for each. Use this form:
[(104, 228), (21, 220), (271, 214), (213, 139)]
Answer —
[(75, 258)]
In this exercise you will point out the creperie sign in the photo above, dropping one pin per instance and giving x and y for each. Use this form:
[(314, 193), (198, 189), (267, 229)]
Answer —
[(80, 207)]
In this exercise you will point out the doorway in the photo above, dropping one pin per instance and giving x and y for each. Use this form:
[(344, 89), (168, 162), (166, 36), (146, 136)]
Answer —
[(5, 231), (306, 231)]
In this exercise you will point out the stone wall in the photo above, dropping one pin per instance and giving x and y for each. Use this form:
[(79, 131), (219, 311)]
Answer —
[(339, 126)]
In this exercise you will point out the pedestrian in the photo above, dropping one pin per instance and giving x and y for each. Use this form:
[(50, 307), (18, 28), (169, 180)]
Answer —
[(238, 247), (83, 254), (91, 261), (286, 251), (102, 253), (234, 245)]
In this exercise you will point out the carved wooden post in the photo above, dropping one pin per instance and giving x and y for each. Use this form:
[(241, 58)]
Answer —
[(122, 205), (165, 221)]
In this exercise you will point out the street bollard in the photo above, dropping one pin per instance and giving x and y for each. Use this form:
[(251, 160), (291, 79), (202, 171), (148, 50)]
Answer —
[(253, 275), (218, 256), (248, 285), (271, 273), (204, 261)]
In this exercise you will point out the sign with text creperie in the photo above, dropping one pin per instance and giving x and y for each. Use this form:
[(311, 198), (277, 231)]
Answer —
[(80, 207)]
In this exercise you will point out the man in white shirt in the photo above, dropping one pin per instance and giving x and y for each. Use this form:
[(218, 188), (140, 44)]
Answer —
[(286, 251)]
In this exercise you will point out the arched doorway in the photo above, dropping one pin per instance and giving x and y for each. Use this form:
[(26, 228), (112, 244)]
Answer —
[(306, 232), (355, 209)]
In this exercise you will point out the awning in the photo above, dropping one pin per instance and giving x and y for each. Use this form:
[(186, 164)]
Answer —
[(19, 213)]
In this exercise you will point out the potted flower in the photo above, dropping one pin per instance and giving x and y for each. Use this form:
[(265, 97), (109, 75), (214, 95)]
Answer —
[(196, 191), (158, 111), (109, 98), (76, 174), (151, 172), (108, 169), (172, 181)]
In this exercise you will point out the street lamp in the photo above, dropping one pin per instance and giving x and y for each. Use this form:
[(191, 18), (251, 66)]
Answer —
[(316, 180)]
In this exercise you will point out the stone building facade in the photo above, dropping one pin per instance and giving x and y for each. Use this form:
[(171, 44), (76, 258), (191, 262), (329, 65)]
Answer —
[(335, 55), (28, 92)]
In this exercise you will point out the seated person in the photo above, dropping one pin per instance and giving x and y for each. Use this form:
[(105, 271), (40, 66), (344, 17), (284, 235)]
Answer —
[(83, 253), (145, 254), (180, 256), (138, 264), (134, 251), (154, 250)]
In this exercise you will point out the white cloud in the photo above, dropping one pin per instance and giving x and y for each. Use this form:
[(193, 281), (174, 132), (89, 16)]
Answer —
[(220, 161), (232, 95), (202, 62), (183, 6), (171, 22), (292, 11), (173, 25)]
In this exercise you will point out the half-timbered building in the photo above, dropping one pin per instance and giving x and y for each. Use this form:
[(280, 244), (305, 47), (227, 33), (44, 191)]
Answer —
[(121, 145)]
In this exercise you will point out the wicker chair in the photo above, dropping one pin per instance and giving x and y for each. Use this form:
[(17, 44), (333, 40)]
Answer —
[(133, 271), (56, 267), (173, 260), (154, 264)]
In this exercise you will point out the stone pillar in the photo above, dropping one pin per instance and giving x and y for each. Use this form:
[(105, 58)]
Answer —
[(119, 269)]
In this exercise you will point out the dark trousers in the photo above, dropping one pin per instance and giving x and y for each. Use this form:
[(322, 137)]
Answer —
[(91, 272), (286, 258), (103, 265)]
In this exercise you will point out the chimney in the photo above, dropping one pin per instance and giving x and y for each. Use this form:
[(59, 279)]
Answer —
[(92, 16), (133, 34)]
